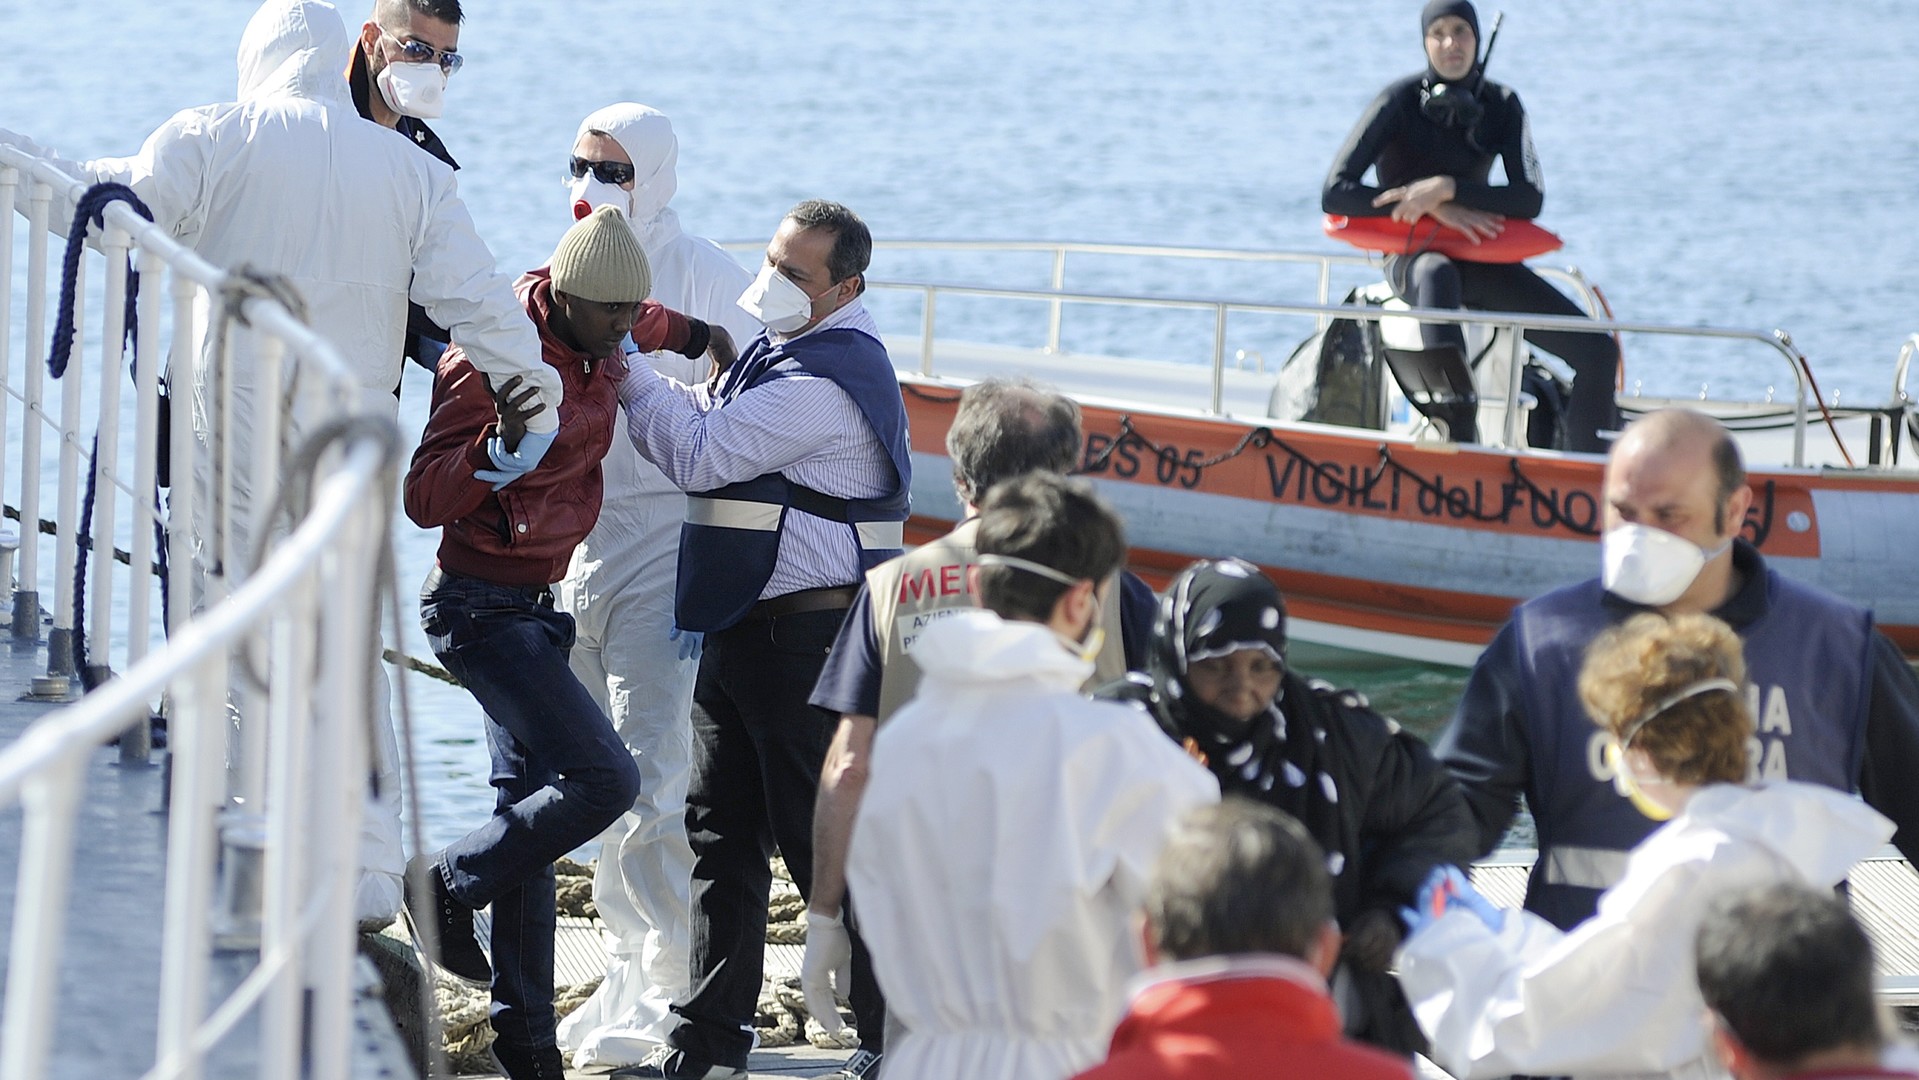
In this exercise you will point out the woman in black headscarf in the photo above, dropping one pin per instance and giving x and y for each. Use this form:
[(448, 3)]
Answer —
[(1433, 137), (1385, 812)]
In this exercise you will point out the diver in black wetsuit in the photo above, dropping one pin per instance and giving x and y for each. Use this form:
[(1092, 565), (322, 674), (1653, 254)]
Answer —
[(1432, 138)]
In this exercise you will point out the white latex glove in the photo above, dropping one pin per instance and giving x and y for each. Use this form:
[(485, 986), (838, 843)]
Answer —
[(828, 963)]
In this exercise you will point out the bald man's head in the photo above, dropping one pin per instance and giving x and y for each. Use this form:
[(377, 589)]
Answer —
[(1684, 439)]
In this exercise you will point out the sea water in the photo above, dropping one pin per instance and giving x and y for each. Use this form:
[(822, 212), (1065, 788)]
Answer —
[(1744, 164)]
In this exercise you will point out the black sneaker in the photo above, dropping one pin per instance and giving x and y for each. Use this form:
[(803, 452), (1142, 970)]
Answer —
[(673, 1064), (460, 953), (527, 1063), (863, 1065)]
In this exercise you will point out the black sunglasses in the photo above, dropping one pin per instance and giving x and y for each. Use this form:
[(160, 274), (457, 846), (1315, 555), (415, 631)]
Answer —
[(606, 172)]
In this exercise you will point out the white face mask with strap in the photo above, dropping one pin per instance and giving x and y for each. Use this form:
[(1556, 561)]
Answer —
[(1088, 646), (1630, 783), (416, 90), (1651, 566)]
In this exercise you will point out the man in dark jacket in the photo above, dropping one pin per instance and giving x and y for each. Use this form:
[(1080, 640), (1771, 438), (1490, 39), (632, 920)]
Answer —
[(420, 35), (1368, 792), (561, 771), (1834, 700)]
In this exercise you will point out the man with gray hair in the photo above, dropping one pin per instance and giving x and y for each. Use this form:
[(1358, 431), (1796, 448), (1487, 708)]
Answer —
[(1239, 924), (1787, 974), (1003, 428)]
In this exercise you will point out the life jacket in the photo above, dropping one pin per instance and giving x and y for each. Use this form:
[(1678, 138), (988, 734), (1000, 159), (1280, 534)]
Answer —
[(935, 580), (1808, 662), (730, 540)]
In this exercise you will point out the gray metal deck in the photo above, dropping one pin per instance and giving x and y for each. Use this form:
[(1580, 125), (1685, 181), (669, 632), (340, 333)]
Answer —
[(110, 965)]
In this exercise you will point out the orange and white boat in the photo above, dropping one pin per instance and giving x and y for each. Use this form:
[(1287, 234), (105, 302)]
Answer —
[(1386, 538)]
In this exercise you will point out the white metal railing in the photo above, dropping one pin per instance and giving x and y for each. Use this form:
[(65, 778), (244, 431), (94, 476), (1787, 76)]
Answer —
[(1322, 310), (1516, 323), (281, 603)]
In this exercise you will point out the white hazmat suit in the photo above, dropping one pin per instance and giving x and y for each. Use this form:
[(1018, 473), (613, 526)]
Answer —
[(619, 589), (1002, 852), (291, 180), (1617, 994)]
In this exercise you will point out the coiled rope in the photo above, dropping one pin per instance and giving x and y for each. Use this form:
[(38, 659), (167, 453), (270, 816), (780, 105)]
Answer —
[(89, 212)]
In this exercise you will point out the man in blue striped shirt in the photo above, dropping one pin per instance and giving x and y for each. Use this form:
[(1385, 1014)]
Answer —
[(796, 466)]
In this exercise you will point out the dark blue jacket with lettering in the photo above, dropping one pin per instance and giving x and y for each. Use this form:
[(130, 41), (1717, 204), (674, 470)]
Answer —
[(1833, 701), (731, 538)]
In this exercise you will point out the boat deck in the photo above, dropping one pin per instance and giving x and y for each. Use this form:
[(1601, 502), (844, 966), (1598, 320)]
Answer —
[(110, 961)]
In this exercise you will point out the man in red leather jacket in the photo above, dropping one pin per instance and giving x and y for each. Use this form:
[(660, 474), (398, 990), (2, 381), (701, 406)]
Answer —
[(1240, 935), (561, 771)]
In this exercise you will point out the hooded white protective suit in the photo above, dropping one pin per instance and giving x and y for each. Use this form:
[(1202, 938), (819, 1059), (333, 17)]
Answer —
[(1002, 852), (292, 181), (1617, 995), (351, 212), (619, 589)]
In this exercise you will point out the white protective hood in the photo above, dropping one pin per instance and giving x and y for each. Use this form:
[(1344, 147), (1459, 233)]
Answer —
[(1617, 995), (1002, 851), (619, 589), (638, 530), (295, 48), (647, 136), (291, 180)]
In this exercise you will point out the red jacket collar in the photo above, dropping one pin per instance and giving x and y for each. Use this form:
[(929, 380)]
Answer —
[(1218, 995)]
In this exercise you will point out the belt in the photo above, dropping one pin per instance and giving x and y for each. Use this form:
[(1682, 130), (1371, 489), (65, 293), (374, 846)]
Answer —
[(539, 594), (833, 598)]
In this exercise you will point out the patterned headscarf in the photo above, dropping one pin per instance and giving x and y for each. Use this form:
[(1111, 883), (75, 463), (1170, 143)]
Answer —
[(1215, 609)]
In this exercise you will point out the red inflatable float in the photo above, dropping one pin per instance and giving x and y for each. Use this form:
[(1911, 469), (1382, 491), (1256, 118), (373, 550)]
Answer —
[(1518, 241)]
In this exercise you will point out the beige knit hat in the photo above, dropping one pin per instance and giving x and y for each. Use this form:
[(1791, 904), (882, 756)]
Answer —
[(600, 260)]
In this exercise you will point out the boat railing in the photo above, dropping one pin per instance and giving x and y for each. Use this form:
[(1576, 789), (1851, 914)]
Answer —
[(266, 671), (1515, 323), (1901, 367), (1322, 263), (1322, 310)]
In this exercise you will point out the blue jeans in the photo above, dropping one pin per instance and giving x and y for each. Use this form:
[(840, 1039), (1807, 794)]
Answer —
[(561, 772)]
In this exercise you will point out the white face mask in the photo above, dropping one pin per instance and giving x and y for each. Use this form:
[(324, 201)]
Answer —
[(1651, 566), (589, 193), (777, 303), (416, 90)]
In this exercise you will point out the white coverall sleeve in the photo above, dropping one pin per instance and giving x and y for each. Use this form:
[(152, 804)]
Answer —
[(1130, 819), (456, 281), (169, 174), (1616, 995)]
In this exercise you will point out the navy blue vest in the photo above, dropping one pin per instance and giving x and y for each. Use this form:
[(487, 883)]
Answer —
[(731, 538), (1809, 663)]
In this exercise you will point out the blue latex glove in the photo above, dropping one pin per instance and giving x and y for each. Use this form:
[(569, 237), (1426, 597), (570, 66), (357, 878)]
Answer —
[(1445, 887), (691, 642), (508, 467)]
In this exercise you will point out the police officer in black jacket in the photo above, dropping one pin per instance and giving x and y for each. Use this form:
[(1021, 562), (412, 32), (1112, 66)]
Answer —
[(1832, 699), (1432, 139)]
